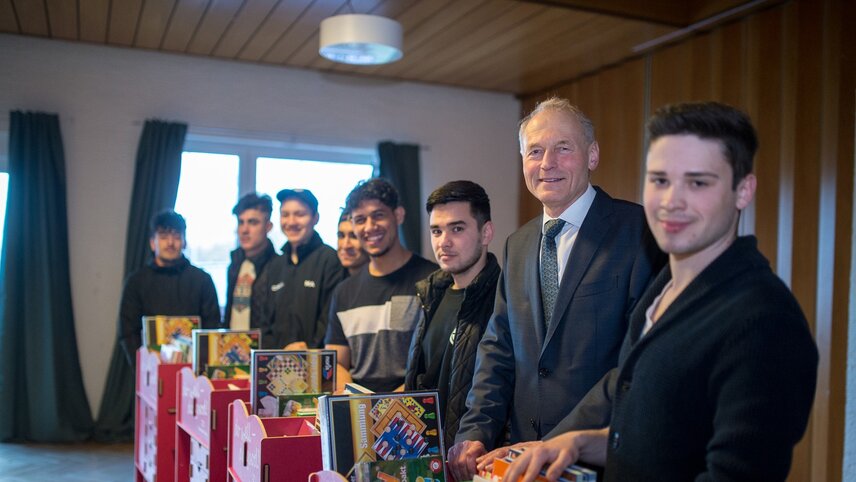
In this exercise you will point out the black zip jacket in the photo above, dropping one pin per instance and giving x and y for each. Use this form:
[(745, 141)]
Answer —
[(260, 285), (298, 294), (180, 290), (473, 317)]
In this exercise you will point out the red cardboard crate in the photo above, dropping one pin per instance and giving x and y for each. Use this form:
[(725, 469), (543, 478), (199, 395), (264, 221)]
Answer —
[(280, 449), (154, 431), (202, 425)]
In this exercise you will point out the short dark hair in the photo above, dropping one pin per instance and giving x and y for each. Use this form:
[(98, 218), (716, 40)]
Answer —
[(253, 201), (712, 121), (376, 188), (462, 191), (168, 220), (345, 216)]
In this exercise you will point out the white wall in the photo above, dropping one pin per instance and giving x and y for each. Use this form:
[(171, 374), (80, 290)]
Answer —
[(104, 94)]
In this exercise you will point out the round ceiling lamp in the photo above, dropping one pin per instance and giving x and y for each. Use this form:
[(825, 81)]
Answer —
[(359, 39)]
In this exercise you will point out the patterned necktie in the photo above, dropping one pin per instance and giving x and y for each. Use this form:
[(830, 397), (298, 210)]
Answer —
[(549, 269)]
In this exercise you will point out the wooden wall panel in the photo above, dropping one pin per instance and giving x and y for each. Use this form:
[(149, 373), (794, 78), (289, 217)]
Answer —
[(843, 232), (791, 67), (765, 40), (806, 174)]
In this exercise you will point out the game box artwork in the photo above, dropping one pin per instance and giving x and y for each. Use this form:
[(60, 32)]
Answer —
[(377, 427), (288, 383), (162, 330), (220, 354)]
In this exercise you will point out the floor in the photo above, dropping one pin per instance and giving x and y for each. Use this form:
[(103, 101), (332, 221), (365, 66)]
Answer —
[(89, 462)]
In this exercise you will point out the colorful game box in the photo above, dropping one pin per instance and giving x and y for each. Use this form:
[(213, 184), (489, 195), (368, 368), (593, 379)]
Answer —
[(422, 469), (288, 383), (161, 330), (378, 427), (220, 354)]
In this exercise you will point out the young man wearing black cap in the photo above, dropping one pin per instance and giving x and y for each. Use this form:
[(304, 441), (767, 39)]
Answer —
[(302, 279), (167, 285), (247, 275)]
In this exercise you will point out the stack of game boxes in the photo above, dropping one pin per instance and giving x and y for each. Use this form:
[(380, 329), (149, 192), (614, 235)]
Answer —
[(384, 437)]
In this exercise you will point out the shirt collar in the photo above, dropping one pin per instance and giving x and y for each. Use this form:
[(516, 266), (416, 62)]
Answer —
[(576, 212)]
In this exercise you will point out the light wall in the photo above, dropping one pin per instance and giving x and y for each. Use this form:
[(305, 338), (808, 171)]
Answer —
[(103, 95)]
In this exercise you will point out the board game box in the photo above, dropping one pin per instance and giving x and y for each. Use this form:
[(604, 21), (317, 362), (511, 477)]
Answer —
[(288, 383), (375, 427), (161, 330), (220, 354), (422, 469)]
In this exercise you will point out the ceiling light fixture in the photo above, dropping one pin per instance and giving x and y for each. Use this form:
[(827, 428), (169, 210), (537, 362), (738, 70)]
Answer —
[(360, 39)]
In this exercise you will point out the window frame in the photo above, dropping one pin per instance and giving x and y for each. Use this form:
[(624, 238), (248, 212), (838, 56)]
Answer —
[(248, 149)]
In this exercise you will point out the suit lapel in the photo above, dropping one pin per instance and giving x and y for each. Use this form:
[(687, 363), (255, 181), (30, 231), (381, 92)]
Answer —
[(595, 226), (532, 276)]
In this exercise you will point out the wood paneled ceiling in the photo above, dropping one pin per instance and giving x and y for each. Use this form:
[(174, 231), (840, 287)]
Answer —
[(521, 47)]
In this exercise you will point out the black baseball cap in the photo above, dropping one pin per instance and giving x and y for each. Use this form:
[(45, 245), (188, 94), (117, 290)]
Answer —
[(303, 195)]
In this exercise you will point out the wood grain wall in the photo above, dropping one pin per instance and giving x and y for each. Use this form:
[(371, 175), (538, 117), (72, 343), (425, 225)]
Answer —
[(791, 67)]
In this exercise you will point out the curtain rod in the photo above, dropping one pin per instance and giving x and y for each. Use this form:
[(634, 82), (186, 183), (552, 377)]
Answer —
[(193, 129)]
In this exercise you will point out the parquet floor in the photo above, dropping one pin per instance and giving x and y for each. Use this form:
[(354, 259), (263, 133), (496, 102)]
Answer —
[(88, 462)]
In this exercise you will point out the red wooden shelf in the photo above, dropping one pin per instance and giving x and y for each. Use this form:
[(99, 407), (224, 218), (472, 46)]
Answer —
[(154, 431), (201, 434), (281, 449)]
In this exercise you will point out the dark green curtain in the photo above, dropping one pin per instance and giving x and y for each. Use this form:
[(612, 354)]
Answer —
[(399, 163), (42, 398), (156, 176)]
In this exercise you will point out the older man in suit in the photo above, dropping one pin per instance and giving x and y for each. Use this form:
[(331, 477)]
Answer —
[(569, 281)]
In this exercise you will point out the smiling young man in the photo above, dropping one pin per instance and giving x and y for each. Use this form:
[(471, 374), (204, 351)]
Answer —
[(373, 313), (167, 285), (568, 282), (247, 274), (457, 299), (351, 255), (718, 369), (302, 279)]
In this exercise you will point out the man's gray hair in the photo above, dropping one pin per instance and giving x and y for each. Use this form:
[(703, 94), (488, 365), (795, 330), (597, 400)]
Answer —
[(563, 106)]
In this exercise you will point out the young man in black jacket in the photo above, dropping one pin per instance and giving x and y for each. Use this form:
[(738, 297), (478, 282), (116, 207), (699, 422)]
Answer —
[(167, 285), (302, 279), (457, 299), (247, 274)]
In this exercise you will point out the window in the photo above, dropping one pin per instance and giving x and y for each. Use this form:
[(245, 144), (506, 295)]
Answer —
[(216, 170), (207, 190), (329, 182)]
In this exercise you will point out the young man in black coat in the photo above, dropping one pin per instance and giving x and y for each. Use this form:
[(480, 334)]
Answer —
[(301, 280), (457, 299), (167, 285), (717, 373), (247, 274)]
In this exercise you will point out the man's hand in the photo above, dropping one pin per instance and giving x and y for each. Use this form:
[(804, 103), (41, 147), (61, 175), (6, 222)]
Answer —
[(296, 345), (485, 462), (558, 453), (462, 459)]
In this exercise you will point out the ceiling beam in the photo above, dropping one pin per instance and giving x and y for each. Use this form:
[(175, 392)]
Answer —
[(674, 13)]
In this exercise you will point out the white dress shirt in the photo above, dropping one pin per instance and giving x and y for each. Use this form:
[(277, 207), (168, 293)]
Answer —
[(573, 217)]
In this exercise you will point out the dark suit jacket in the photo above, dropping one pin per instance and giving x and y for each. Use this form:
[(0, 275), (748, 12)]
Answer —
[(533, 378)]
